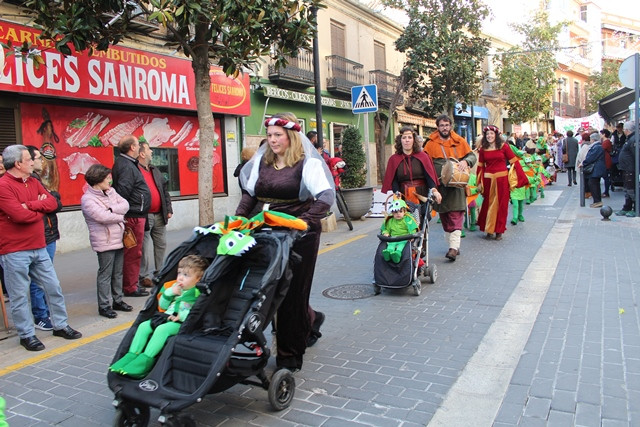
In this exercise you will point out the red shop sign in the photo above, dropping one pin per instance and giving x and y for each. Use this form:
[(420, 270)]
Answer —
[(119, 75)]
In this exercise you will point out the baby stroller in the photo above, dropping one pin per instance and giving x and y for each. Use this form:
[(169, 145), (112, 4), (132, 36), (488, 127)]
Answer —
[(408, 271), (221, 343)]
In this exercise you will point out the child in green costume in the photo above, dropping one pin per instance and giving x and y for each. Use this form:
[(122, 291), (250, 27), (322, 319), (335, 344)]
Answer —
[(399, 223), (3, 420), (520, 194), (175, 301)]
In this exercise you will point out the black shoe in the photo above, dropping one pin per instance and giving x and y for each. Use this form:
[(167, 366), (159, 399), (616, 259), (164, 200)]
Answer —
[(137, 293), (452, 254), (122, 306), (107, 312), (32, 343), (315, 329), (67, 333), (575, 182)]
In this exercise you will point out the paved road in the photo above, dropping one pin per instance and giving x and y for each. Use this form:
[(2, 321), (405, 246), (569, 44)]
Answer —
[(539, 329)]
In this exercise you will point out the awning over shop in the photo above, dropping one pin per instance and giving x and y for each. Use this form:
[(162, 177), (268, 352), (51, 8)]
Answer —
[(615, 106), (478, 112), (404, 117)]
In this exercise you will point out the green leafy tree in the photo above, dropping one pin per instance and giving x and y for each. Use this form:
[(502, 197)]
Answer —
[(526, 73), (233, 34), (355, 174), (602, 83), (444, 50)]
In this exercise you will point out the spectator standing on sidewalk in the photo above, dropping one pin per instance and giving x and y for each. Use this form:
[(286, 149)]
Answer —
[(130, 184), (442, 144), (39, 306), (627, 164), (594, 159), (154, 244), (104, 209), (571, 147), (4, 287), (23, 203), (608, 149)]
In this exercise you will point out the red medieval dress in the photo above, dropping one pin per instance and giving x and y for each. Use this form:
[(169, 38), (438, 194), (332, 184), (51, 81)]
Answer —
[(493, 174)]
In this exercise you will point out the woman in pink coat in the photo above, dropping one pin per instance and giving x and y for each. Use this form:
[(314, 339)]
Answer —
[(103, 209)]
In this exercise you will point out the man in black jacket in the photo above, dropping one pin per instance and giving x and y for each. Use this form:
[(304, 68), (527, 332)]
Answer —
[(130, 184), (627, 164), (155, 241)]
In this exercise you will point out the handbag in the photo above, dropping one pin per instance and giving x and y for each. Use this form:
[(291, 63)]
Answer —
[(452, 175), (565, 158), (129, 238), (588, 169)]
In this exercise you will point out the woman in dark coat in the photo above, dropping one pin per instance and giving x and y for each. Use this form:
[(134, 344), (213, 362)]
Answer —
[(289, 175), (595, 159)]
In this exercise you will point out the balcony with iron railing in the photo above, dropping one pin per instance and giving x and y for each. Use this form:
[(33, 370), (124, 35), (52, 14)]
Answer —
[(490, 89), (342, 75), (563, 109), (298, 72), (387, 84)]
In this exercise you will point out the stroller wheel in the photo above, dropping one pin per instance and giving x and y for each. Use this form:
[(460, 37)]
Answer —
[(131, 415), (417, 287), (281, 389), (432, 272), (376, 289)]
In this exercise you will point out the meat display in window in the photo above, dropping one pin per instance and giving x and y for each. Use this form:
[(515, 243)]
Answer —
[(81, 130), (79, 163), (182, 133), (114, 135), (158, 131)]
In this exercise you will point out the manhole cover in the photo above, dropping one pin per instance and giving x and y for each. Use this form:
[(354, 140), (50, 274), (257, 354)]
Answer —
[(357, 291)]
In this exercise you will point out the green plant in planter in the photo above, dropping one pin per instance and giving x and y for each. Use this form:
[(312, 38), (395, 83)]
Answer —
[(355, 175)]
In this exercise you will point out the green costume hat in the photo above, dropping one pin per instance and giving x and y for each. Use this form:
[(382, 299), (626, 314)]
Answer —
[(397, 205)]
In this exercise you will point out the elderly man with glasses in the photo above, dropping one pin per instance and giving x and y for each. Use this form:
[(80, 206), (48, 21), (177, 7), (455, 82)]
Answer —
[(23, 203)]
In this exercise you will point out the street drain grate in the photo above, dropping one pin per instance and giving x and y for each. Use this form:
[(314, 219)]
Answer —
[(349, 292)]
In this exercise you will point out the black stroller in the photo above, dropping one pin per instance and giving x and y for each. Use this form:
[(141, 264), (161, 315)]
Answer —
[(221, 343), (408, 271)]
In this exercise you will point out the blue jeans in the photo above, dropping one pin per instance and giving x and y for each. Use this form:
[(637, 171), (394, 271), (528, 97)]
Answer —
[(20, 268), (39, 306)]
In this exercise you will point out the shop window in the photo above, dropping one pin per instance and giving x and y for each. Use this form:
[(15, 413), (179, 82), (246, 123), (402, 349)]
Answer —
[(166, 160)]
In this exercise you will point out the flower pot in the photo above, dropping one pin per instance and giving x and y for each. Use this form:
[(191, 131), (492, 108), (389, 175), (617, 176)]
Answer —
[(358, 201)]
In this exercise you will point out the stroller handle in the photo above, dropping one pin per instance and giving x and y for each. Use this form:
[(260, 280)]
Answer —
[(399, 238)]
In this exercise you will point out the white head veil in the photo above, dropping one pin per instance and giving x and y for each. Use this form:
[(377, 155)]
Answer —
[(316, 175)]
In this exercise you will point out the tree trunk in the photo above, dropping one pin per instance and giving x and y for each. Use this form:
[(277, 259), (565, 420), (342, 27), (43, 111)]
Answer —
[(380, 142), (200, 64)]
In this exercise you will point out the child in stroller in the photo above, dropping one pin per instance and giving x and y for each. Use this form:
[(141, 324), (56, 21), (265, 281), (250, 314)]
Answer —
[(399, 223), (174, 304), (414, 257)]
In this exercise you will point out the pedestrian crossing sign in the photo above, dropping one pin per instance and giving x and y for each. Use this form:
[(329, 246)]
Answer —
[(364, 99)]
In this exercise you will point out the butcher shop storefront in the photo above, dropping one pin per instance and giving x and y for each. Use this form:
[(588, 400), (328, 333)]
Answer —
[(75, 109)]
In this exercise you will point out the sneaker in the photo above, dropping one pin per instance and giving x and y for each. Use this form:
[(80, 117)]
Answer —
[(44, 324), (630, 214), (621, 213), (596, 205)]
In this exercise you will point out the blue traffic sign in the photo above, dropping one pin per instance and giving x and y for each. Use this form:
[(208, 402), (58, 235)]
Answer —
[(364, 99)]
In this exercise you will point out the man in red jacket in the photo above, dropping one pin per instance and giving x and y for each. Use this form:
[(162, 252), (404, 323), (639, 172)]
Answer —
[(23, 203)]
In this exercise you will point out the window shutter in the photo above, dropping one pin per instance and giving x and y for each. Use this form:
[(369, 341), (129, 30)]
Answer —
[(337, 39), (379, 56), (8, 135)]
